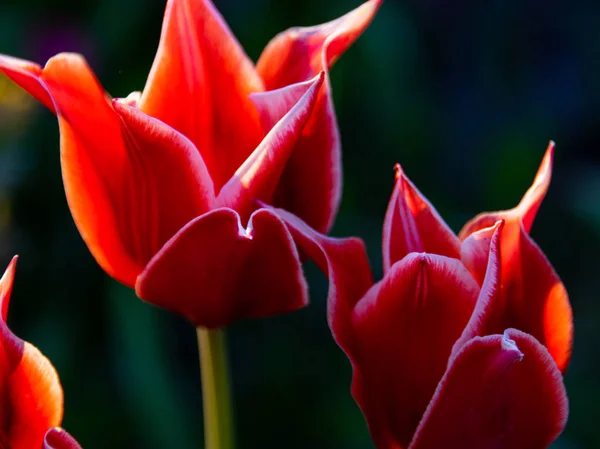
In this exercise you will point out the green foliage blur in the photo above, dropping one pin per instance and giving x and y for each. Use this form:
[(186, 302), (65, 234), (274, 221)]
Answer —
[(465, 95)]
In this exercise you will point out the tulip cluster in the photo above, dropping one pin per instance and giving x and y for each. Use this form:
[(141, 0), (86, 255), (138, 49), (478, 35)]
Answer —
[(205, 191), (464, 341)]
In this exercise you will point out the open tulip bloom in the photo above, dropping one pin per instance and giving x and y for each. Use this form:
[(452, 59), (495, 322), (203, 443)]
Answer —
[(463, 342), (31, 404), (164, 185)]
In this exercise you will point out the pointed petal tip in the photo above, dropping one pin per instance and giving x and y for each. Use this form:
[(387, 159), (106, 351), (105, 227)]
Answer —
[(412, 224), (398, 172), (65, 56), (6, 285)]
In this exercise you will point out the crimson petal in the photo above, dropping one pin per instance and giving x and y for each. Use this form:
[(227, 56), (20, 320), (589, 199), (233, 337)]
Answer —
[(525, 293), (490, 310), (199, 84), (168, 181), (214, 272), (272, 105), (404, 328), (413, 225), (475, 250), (258, 176), (311, 184), (501, 391), (57, 438), (344, 262)]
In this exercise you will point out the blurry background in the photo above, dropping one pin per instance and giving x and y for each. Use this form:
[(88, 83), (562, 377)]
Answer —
[(465, 94)]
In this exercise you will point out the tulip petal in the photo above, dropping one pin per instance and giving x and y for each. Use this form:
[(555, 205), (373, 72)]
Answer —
[(490, 309), (404, 329), (501, 391), (523, 291), (311, 184), (57, 438), (27, 75), (169, 183), (274, 104), (344, 262), (214, 272), (258, 176), (413, 225), (537, 300), (92, 152), (533, 298), (131, 181), (199, 85), (475, 250), (526, 210), (32, 398), (6, 286), (299, 53), (94, 162)]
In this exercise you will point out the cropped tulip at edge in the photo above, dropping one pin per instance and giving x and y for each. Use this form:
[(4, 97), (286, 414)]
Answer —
[(164, 185), (31, 405), (451, 351)]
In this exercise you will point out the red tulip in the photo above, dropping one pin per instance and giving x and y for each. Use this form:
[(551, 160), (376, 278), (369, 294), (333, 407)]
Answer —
[(532, 298), (164, 185), (32, 398), (434, 364)]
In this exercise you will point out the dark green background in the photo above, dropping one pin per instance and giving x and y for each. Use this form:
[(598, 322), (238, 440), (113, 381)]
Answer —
[(465, 94)]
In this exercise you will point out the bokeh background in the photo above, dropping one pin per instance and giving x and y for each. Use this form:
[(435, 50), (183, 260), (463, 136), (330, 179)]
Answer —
[(465, 94)]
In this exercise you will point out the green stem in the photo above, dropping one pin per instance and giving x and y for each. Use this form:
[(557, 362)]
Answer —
[(218, 422)]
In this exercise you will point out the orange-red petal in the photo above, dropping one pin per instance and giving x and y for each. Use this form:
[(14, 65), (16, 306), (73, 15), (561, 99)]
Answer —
[(501, 391), (94, 162), (57, 438), (537, 300), (214, 272), (92, 152), (27, 74), (526, 210), (404, 329), (199, 85), (257, 178), (32, 399), (532, 298), (523, 292), (131, 181), (413, 225), (311, 184)]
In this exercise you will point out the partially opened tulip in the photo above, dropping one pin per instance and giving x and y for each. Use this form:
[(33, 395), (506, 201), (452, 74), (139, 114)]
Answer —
[(31, 403), (436, 354), (532, 299), (164, 185)]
